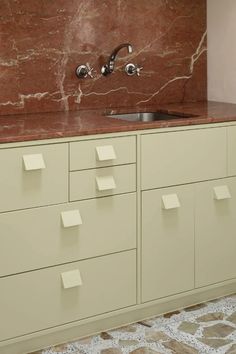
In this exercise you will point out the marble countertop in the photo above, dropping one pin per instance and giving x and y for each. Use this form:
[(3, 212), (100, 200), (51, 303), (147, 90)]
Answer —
[(27, 127)]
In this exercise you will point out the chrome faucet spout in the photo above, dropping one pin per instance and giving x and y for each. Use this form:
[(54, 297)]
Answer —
[(109, 67)]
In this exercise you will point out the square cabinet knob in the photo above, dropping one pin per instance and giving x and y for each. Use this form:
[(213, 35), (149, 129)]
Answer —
[(221, 193), (105, 153), (170, 201), (71, 279), (33, 162), (71, 218), (105, 183)]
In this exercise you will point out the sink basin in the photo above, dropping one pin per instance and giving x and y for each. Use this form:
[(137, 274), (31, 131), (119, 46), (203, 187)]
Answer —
[(149, 117)]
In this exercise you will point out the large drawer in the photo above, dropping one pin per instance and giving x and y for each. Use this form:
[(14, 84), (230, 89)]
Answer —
[(33, 176), (42, 237), (102, 152), (102, 182), (182, 157), (41, 299)]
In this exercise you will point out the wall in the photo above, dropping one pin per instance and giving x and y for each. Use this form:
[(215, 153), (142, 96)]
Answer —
[(222, 50), (42, 42)]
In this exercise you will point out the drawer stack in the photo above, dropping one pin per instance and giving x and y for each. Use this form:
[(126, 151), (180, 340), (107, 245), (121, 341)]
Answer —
[(67, 232), (102, 167)]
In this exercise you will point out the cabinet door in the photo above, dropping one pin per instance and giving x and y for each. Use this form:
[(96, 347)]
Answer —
[(215, 231), (167, 242)]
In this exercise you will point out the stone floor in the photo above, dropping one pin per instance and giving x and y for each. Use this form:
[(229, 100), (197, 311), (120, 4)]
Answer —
[(205, 328)]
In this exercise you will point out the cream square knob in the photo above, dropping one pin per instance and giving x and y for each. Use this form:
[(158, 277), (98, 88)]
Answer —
[(71, 218), (105, 153), (105, 183), (33, 162), (221, 193), (71, 279), (170, 201)]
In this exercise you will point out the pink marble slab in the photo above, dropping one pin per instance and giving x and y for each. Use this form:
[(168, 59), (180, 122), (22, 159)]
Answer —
[(42, 42), (26, 127)]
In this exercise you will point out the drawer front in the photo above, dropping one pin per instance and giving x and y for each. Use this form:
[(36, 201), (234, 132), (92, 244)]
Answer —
[(42, 237), (183, 157), (231, 151), (167, 242), (102, 152), (33, 176), (102, 182), (215, 226), (46, 298)]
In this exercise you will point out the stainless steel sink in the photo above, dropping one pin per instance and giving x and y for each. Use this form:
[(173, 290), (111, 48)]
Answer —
[(149, 117)]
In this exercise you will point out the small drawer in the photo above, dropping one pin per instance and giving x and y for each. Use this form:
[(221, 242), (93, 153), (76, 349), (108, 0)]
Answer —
[(42, 237), (183, 157), (102, 152), (102, 182), (33, 176), (50, 297)]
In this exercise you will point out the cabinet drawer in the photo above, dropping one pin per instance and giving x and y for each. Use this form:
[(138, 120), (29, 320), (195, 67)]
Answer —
[(183, 157), (41, 299), (102, 152), (42, 237), (167, 242), (33, 176), (215, 227), (102, 182), (231, 151)]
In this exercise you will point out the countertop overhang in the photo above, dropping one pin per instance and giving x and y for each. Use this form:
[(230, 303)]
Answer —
[(28, 127)]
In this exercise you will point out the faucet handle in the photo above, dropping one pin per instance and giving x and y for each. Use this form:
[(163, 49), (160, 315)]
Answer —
[(82, 71), (90, 71), (132, 69), (138, 69)]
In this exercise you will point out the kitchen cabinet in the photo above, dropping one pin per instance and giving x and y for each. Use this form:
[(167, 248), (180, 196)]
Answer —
[(102, 231)]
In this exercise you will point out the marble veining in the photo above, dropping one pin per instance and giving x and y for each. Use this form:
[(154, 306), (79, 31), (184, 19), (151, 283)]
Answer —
[(42, 42)]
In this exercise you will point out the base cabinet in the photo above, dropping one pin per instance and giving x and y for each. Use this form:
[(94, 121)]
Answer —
[(215, 231), (88, 237), (167, 242)]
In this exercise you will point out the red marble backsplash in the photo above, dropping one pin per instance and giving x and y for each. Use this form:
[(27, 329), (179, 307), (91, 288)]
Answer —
[(42, 42)]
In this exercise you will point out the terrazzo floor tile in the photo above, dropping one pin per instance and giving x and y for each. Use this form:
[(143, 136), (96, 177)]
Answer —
[(208, 328), (188, 327)]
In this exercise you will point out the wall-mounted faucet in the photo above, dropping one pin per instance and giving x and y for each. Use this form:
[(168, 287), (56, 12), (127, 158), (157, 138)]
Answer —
[(109, 67)]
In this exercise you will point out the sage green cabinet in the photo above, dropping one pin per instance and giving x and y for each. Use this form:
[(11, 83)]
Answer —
[(215, 231), (167, 242)]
